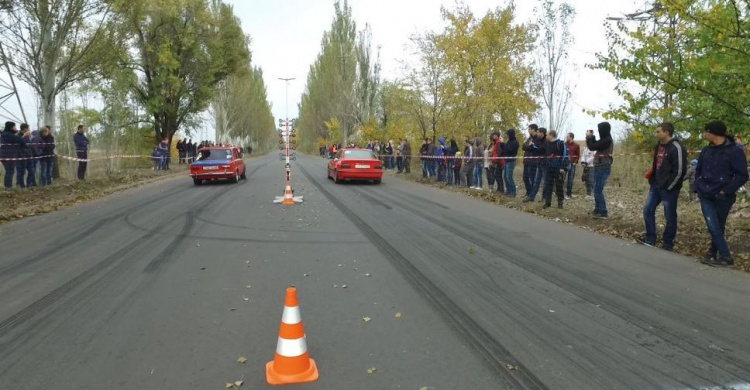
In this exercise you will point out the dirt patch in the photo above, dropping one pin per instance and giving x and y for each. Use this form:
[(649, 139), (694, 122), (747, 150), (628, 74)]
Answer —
[(20, 203), (625, 217)]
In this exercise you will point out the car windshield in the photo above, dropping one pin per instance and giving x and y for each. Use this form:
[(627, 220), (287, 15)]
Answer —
[(215, 155), (363, 154)]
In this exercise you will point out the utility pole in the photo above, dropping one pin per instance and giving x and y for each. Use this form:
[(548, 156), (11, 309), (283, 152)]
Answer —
[(14, 89)]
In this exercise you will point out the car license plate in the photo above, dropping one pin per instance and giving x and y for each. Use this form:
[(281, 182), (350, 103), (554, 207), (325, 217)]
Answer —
[(362, 166), (210, 168)]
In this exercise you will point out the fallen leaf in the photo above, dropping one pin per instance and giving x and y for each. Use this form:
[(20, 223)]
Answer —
[(371, 370), (368, 275), (472, 251), (248, 286), (512, 367), (229, 385), (238, 383), (366, 319), (344, 286), (245, 298), (398, 315), (241, 360)]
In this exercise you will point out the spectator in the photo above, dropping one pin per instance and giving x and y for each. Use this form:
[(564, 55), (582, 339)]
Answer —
[(10, 145), (26, 154), (574, 152), (487, 164), (36, 145), (603, 160), (163, 152), (457, 169), (388, 152), (82, 150), (539, 150), (399, 155), (557, 163), (530, 165), (721, 171), (156, 159), (407, 156), (690, 177), (668, 169), (423, 156), (450, 163), (432, 157), (478, 163), (441, 166), (587, 162), (393, 159), (47, 160), (510, 154), (495, 163), (469, 163)]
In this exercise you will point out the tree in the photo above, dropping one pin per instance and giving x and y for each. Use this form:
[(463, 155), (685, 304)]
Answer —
[(181, 51), (341, 84), (52, 44), (487, 78), (426, 97), (552, 57), (683, 61)]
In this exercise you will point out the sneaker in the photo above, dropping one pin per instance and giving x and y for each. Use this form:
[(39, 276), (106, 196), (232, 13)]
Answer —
[(721, 261), (547, 205), (568, 197), (589, 197), (596, 215), (643, 241), (708, 257), (527, 200)]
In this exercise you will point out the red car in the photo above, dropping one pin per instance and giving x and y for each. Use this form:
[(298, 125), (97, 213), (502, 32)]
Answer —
[(216, 163), (355, 164)]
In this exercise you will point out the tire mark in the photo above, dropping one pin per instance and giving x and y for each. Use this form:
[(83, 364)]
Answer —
[(460, 229), (495, 354)]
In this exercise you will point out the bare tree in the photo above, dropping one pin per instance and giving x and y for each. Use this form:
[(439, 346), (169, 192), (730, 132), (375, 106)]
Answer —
[(51, 44), (553, 52)]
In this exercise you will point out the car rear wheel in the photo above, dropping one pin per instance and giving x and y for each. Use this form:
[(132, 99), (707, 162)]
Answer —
[(336, 177), (197, 181), (243, 176), (376, 181), (236, 176)]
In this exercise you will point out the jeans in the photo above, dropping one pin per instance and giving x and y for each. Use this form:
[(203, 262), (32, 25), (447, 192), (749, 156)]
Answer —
[(440, 171), (529, 174), (669, 199), (715, 212), (82, 165), (46, 168), (588, 179), (498, 177), (478, 173), (571, 176), (601, 174), (553, 179), (457, 176), (425, 169), (536, 182), (400, 163), (10, 171), (21, 169), (391, 161), (449, 172), (31, 173), (490, 172), (469, 171), (510, 182)]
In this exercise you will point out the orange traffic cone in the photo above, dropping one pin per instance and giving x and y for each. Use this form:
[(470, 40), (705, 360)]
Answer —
[(292, 363), (288, 196)]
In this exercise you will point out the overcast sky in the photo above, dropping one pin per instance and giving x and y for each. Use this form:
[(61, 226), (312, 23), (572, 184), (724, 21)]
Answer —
[(286, 36)]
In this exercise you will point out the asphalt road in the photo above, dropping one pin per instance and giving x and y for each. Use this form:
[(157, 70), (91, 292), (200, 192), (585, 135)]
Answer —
[(164, 287)]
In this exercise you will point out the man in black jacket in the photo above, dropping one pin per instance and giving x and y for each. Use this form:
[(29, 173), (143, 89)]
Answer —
[(557, 164), (511, 151), (529, 163), (10, 145), (668, 169), (603, 159)]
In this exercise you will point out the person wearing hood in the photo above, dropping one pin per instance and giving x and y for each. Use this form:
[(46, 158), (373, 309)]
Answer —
[(721, 171), (10, 145), (441, 165), (510, 153), (604, 147), (431, 158), (667, 172), (450, 162)]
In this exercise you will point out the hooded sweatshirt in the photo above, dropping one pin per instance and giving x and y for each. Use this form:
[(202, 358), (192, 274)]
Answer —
[(721, 168), (511, 147), (670, 165), (603, 147)]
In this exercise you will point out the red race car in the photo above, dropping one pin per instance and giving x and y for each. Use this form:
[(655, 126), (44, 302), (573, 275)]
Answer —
[(355, 164), (216, 163)]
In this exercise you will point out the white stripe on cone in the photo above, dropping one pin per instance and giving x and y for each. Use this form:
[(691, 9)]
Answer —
[(291, 315), (291, 348)]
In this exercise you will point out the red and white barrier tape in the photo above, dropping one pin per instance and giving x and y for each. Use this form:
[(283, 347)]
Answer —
[(75, 158)]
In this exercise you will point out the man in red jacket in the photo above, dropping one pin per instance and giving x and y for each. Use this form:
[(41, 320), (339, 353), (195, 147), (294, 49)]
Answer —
[(574, 152)]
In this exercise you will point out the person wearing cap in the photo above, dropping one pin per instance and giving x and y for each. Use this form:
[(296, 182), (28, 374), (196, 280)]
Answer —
[(603, 159), (510, 152), (667, 173), (721, 171), (10, 145)]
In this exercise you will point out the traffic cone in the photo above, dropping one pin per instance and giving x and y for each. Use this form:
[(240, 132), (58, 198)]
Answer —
[(292, 363), (288, 195)]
